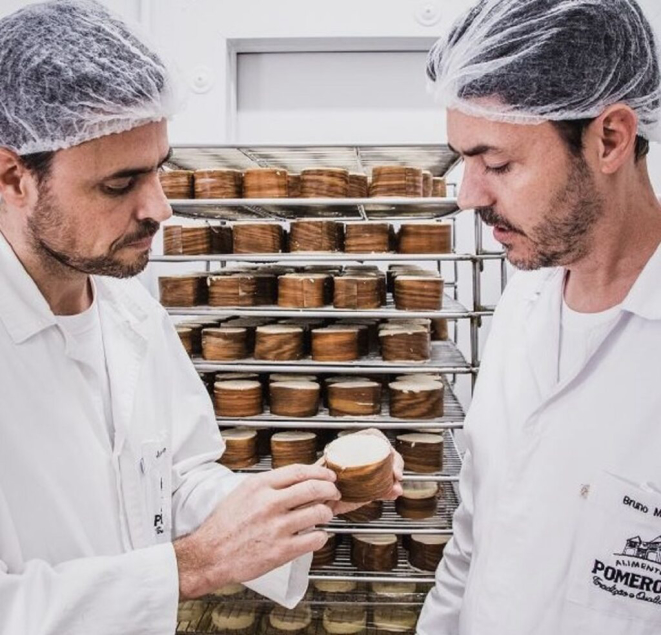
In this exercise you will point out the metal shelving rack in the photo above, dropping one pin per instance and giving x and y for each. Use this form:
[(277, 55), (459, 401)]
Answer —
[(446, 357)]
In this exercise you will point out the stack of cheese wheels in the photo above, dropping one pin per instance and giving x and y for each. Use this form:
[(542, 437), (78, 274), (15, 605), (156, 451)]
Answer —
[(354, 398), (288, 621), (335, 345), (177, 183), (426, 550), (221, 239), (183, 290), (365, 514), (186, 336), (334, 586), (235, 618), (294, 185), (394, 180), (316, 235), (416, 399), (196, 327), (258, 238), (324, 183), (236, 289), (427, 183), (439, 188), (265, 183), (266, 288), (418, 293), (344, 619), (425, 238), (419, 499), (294, 398), (358, 186), (368, 238), (395, 619), (357, 292), (240, 448), (304, 290), (293, 447), (218, 183), (374, 552), (405, 344), (363, 464), (326, 555), (279, 342), (225, 343), (422, 452), (238, 398)]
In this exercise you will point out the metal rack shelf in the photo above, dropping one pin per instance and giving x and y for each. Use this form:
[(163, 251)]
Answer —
[(445, 358)]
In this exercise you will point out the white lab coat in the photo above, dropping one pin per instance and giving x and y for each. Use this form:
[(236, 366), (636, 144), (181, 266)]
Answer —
[(85, 528), (559, 529)]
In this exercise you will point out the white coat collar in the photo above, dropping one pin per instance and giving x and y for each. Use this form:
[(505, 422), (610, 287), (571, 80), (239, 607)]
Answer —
[(25, 312)]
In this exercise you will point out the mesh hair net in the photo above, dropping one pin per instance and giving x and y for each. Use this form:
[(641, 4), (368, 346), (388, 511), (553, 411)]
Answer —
[(70, 72), (530, 61)]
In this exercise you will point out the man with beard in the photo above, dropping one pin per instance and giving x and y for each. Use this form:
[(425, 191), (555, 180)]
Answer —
[(112, 504), (552, 104)]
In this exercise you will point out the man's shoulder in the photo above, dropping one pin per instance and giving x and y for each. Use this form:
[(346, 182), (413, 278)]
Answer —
[(130, 293)]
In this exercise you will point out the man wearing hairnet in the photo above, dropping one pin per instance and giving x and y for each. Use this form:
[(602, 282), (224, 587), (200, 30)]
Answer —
[(112, 505), (552, 104)]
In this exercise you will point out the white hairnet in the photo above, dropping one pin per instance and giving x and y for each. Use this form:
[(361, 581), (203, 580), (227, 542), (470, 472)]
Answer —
[(70, 72), (529, 61)]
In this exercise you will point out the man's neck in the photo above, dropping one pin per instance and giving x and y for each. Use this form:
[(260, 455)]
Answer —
[(623, 243), (68, 292)]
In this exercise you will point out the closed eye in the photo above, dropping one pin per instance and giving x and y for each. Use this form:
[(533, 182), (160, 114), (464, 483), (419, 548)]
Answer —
[(117, 187), (500, 169)]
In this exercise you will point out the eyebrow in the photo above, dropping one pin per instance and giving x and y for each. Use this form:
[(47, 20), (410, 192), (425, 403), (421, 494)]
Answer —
[(476, 151), (136, 171)]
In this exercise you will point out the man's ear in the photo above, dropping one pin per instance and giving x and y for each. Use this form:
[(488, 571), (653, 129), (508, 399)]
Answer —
[(613, 134), (18, 186)]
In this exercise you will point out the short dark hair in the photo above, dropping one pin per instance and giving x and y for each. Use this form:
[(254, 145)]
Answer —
[(39, 163), (573, 132)]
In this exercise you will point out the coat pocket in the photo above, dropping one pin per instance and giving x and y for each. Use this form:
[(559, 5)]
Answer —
[(155, 465), (615, 575)]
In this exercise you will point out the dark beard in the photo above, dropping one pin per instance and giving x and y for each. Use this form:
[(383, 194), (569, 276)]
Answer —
[(46, 219), (559, 241)]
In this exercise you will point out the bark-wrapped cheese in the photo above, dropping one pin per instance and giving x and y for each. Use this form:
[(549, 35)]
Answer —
[(266, 288), (326, 555), (395, 619), (368, 238), (294, 185), (265, 183), (237, 398), (237, 289), (324, 183), (358, 186), (218, 183), (421, 452), (374, 552), (196, 327), (344, 619), (364, 466), (176, 184), (294, 398), (357, 292), (416, 399), (172, 240), (427, 183), (221, 239), (365, 514), (419, 499), (305, 290), (425, 238), (354, 398), (225, 344), (279, 342), (405, 344), (184, 290), (439, 330), (195, 241), (335, 345), (293, 447), (363, 335), (236, 618), (282, 377), (240, 448), (426, 550), (290, 621), (316, 235), (439, 188), (416, 293), (394, 180), (258, 238)]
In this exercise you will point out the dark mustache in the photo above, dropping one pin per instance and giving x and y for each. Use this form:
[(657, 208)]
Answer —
[(147, 229), (490, 217)]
